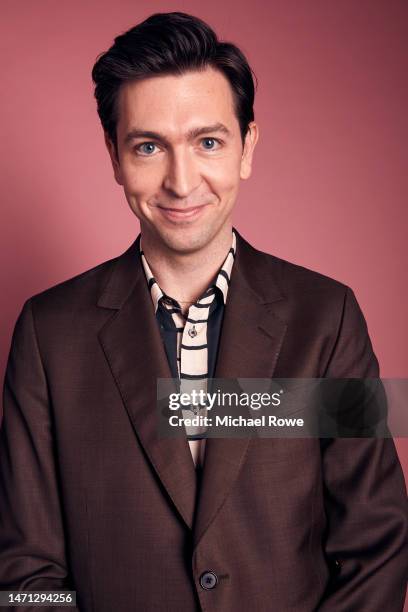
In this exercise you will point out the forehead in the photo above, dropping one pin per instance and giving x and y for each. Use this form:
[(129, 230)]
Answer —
[(172, 102)]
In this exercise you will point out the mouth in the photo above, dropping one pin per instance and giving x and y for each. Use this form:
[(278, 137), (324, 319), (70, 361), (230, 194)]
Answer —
[(182, 214)]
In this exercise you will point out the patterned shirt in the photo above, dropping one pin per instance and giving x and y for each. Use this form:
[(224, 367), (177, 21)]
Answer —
[(191, 341)]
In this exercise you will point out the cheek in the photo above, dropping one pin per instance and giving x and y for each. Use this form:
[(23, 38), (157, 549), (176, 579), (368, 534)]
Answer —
[(223, 175), (142, 182)]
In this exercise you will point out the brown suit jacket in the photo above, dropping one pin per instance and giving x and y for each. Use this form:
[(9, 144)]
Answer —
[(92, 499)]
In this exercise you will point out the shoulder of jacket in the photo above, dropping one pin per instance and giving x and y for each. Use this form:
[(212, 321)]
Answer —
[(296, 280), (81, 288)]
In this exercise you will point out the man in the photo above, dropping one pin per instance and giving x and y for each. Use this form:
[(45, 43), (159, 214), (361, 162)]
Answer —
[(91, 497)]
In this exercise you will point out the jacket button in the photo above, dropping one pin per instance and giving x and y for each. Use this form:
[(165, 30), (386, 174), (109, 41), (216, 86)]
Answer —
[(335, 566), (208, 580)]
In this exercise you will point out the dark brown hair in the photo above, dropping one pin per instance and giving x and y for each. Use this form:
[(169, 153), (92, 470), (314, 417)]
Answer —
[(170, 43)]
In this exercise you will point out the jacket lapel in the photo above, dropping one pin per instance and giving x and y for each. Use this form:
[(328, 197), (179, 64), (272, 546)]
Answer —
[(250, 342), (132, 345), (249, 346)]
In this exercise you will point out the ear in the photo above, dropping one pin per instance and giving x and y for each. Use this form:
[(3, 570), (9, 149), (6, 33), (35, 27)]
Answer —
[(114, 159), (251, 138)]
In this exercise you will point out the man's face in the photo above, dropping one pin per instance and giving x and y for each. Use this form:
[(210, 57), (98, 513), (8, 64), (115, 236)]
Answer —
[(181, 156)]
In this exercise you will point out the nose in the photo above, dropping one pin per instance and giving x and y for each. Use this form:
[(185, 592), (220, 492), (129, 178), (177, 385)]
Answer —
[(182, 175)]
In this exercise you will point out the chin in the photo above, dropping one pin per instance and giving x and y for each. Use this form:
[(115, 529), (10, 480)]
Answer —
[(185, 240)]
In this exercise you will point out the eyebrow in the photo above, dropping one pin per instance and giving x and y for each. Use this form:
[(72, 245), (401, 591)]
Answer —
[(191, 134)]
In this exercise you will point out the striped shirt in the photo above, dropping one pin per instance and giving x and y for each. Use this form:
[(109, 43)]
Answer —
[(191, 341)]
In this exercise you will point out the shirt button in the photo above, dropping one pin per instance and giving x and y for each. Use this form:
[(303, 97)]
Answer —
[(208, 580), (192, 332)]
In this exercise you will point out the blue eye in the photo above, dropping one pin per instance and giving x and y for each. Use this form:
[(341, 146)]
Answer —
[(147, 148), (209, 143)]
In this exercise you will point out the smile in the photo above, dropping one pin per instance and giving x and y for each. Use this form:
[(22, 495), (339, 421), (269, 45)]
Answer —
[(181, 214)]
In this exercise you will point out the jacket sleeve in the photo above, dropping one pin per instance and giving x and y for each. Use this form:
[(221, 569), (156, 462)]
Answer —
[(32, 546), (365, 496)]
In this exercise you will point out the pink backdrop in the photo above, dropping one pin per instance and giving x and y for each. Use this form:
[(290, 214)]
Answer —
[(330, 185)]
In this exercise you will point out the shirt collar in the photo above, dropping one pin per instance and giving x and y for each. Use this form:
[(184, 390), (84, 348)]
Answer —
[(222, 279)]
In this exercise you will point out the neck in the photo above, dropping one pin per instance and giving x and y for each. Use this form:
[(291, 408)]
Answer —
[(185, 276)]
